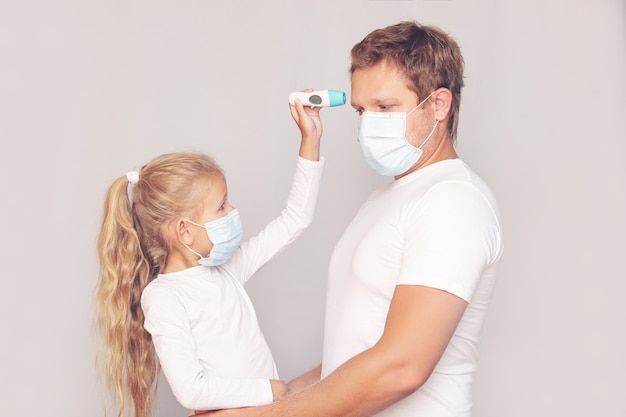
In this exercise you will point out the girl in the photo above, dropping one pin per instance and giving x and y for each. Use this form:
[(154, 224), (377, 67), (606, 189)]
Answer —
[(172, 274)]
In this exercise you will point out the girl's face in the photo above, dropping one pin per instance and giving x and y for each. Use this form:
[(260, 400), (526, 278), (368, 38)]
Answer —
[(214, 205)]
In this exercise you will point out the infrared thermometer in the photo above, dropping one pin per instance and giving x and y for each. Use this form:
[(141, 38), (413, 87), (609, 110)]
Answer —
[(319, 98)]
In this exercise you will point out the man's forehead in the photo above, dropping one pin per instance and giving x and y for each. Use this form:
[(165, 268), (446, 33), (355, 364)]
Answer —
[(377, 84)]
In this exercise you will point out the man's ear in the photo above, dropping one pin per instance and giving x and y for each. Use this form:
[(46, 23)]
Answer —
[(443, 101)]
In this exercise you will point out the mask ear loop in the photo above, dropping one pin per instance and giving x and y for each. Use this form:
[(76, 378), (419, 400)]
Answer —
[(436, 120), (187, 246), (430, 134), (193, 251), (194, 223), (420, 103)]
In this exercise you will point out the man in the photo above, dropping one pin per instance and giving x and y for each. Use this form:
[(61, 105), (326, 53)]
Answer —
[(412, 276)]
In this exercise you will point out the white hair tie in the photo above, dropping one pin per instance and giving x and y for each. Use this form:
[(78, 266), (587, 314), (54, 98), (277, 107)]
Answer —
[(133, 177)]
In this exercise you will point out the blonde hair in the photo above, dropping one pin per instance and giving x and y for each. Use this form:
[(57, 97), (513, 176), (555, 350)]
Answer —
[(133, 249)]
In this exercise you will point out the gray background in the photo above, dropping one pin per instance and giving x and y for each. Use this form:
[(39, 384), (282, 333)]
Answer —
[(92, 89)]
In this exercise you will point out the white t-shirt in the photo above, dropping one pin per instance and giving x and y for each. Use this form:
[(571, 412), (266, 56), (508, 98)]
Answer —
[(437, 227), (203, 324)]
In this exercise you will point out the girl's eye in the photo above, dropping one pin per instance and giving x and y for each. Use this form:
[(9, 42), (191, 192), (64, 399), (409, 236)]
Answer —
[(359, 111)]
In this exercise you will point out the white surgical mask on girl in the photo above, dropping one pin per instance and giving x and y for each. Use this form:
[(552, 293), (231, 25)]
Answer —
[(225, 234), (382, 136)]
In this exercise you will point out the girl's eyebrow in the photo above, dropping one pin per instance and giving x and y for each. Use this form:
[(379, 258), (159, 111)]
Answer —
[(223, 199)]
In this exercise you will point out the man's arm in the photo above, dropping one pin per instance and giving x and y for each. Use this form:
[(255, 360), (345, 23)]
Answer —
[(420, 323), (305, 380)]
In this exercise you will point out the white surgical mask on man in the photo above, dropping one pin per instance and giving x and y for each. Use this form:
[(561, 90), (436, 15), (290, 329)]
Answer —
[(382, 136)]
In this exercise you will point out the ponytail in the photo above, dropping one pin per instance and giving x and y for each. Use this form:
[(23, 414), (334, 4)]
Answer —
[(126, 352)]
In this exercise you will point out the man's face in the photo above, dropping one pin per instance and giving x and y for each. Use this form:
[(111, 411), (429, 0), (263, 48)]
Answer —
[(383, 88)]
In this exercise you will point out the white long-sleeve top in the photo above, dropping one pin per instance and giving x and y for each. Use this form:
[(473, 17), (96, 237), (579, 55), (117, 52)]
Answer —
[(202, 321)]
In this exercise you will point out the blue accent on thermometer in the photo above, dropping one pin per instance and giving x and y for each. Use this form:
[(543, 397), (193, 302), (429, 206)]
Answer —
[(319, 98)]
